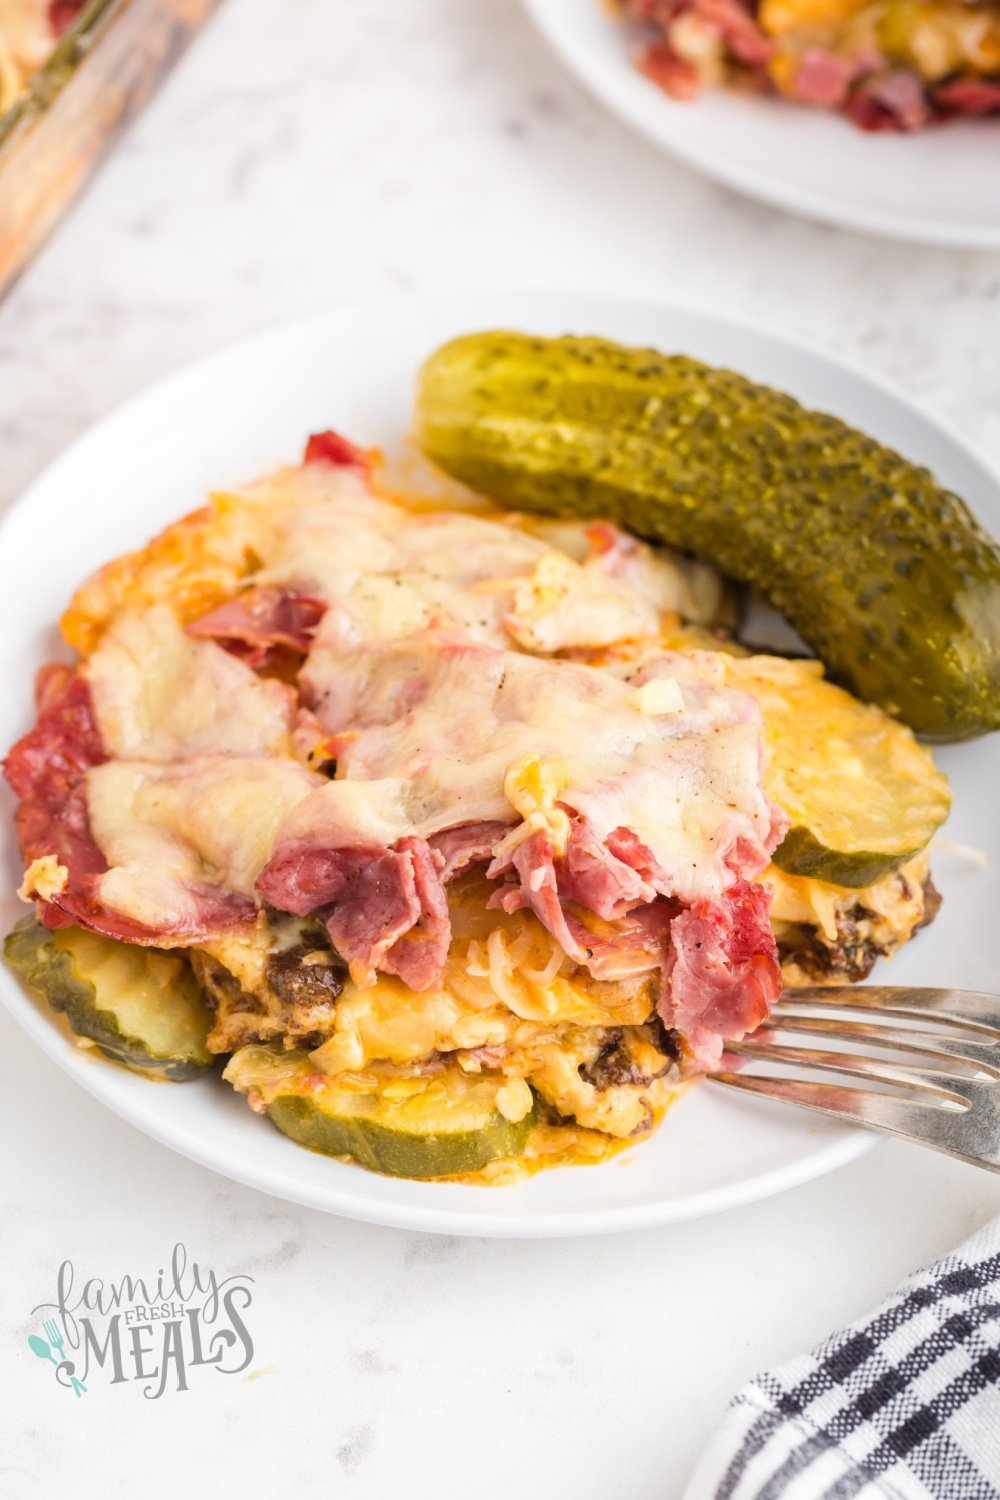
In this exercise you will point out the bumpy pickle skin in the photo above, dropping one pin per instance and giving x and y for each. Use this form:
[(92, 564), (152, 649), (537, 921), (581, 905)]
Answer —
[(884, 573)]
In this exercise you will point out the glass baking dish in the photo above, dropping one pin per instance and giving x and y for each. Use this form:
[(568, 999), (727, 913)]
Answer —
[(99, 75)]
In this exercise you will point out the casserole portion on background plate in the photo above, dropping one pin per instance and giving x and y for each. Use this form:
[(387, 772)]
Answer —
[(896, 65)]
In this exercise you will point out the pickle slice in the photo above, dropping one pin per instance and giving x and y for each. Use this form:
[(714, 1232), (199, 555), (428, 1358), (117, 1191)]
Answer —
[(884, 573), (862, 795), (443, 1126), (141, 1007)]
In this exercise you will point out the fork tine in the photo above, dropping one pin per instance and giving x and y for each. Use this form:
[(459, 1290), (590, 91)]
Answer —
[(926, 1053), (982, 1055), (954, 1132), (964, 1008), (853, 1065)]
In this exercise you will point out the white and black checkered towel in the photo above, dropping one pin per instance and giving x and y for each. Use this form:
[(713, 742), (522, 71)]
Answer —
[(903, 1405)]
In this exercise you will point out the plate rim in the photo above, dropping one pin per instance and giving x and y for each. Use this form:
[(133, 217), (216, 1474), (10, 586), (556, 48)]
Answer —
[(849, 1146), (627, 108)]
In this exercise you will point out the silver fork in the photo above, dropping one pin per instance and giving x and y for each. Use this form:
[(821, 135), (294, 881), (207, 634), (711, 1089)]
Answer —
[(929, 1061)]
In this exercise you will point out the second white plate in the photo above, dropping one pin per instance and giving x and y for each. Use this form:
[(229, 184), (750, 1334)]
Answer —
[(938, 186)]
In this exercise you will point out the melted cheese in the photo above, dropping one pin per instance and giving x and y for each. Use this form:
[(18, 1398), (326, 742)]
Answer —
[(565, 603), (434, 720), (431, 729), (159, 694), (390, 571), (490, 581), (166, 830)]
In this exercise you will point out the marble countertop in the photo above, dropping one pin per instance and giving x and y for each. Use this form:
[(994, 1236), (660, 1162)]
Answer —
[(346, 152)]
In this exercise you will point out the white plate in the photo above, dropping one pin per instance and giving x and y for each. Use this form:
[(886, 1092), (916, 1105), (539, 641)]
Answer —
[(937, 186), (250, 408)]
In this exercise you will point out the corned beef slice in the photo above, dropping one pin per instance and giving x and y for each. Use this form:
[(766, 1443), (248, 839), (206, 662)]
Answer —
[(385, 908), (49, 761), (722, 970), (823, 78), (673, 74), (893, 100), (261, 619), (46, 768), (968, 96), (738, 29), (330, 448), (467, 844)]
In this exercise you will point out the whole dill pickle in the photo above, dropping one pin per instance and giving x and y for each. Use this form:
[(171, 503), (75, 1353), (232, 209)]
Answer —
[(884, 573)]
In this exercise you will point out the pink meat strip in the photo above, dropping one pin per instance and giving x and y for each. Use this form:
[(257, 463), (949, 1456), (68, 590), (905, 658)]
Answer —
[(721, 974), (719, 959), (969, 96), (260, 620), (662, 66), (738, 29), (384, 908), (894, 100), (823, 78), (467, 844), (330, 448)]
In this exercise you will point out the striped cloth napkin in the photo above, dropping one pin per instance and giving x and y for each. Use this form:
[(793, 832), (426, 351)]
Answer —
[(902, 1405)]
